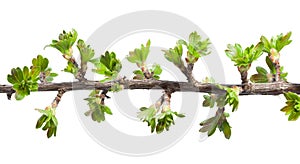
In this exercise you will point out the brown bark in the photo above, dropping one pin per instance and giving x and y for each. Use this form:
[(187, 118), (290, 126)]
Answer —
[(275, 88)]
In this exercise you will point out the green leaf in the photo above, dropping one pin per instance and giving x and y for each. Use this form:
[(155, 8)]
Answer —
[(283, 75), (19, 96), (40, 67), (65, 42), (158, 121), (138, 72), (220, 121), (244, 58), (270, 65), (174, 55), (291, 96), (71, 68), (146, 114), (156, 69), (86, 52), (48, 121), (266, 43), (259, 78), (22, 81), (40, 62), (196, 47), (211, 127), (277, 43), (292, 107), (106, 109), (283, 41), (41, 121), (139, 56), (209, 101), (108, 65), (261, 70), (232, 98), (97, 110), (180, 115), (225, 127)]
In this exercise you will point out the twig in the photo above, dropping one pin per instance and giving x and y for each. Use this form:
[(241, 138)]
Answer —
[(57, 99), (275, 88)]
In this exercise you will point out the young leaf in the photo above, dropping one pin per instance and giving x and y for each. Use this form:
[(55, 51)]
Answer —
[(139, 56), (48, 120), (259, 78), (156, 71), (261, 70), (174, 55), (40, 67), (225, 127), (40, 62), (97, 110), (210, 125), (146, 114), (220, 121), (277, 43), (107, 65), (86, 52), (270, 65), (71, 68), (232, 97), (292, 107), (243, 58), (23, 82), (139, 75), (209, 101), (65, 42), (196, 47)]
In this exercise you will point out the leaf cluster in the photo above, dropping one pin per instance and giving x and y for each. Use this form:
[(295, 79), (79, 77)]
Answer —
[(196, 47), (263, 76), (244, 57), (139, 56), (292, 108), (23, 81), (155, 71), (41, 64), (65, 42), (48, 121), (86, 52), (26, 80), (174, 55), (221, 100), (107, 65), (158, 121), (218, 121), (276, 43), (97, 108)]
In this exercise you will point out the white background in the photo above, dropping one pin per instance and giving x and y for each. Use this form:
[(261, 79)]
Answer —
[(260, 132)]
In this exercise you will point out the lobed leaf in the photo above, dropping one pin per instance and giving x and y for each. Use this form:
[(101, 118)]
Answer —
[(244, 57), (139, 56), (86, 52), (174, 55), (65, 42), (107, 65), (196, 47), (277, 43), (292, 108)]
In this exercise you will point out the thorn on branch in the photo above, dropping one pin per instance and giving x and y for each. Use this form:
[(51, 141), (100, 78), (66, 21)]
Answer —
[(9, 95), (103, 95)]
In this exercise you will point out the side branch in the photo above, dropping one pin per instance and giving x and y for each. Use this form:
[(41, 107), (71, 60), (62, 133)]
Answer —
[(275, 88)]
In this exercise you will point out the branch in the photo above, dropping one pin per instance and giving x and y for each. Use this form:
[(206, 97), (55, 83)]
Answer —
[(275, 88)]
